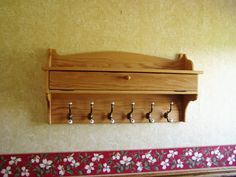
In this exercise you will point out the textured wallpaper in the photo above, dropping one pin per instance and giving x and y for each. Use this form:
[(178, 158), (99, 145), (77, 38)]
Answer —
[(204, 30)]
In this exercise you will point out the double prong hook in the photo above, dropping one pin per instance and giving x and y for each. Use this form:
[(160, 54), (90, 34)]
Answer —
[(166, 114), (109, 115), (69, 115), (130, 114), (149, 114), (90, 115)]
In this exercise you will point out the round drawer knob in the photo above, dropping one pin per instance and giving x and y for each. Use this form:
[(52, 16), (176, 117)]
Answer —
[(127, 77)]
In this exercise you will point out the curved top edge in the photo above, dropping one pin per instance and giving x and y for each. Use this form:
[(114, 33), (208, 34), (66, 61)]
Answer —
[(117, 60), (53, 53)]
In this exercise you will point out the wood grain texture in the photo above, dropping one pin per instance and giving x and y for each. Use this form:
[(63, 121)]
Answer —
[(112, 60), (120, 77), (119, 81), (122, 70), (81, 107), (119, 92)]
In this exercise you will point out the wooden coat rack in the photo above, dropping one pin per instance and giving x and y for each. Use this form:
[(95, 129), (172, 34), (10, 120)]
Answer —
[(102, 81)]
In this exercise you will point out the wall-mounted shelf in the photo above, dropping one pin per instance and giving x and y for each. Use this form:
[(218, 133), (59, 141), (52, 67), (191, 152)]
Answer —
[(96, 80)]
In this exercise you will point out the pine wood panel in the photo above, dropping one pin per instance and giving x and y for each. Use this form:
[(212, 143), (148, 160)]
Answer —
[(113, 60), (103, 77), (121, 81), (119, 92), (122, 70), (81, 107)]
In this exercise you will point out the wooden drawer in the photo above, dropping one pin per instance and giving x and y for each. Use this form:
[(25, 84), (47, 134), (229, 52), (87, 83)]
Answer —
[(73, 80)]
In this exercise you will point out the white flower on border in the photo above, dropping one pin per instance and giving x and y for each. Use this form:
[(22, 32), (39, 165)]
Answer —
[(69, 158), (165, 164), (209, 162), (189, 152), (89, 168), (35, 159), (74, 163), (116, 156), (147, 155), (231, 159), (216, 151), (61, 170), (234, 150), (25, 171), (172, 153), (97, 157), (126, 160), (219, 156), (180, 164), (46, 164), (140, 166), (197, 156), (6, 171), (106, 168), (14, 160), (152, 160)]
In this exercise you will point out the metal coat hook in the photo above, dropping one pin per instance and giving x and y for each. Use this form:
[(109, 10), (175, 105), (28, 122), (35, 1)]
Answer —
[(69, 115), (166, 114), (149, 114), (109, 115), (90, 115), (130, 114)]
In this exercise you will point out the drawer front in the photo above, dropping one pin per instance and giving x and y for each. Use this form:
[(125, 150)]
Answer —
[(60, 80)]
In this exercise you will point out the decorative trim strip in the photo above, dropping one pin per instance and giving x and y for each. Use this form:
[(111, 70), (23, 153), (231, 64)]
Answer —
[(118, 162)]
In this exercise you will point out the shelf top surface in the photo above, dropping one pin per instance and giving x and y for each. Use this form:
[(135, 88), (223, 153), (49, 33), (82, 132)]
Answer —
[(124, 92), (125, 70)]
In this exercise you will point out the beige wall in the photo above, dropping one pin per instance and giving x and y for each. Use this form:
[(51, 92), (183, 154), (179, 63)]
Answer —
[(204, 30)]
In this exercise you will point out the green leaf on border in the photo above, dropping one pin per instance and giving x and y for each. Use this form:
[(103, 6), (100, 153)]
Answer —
[(70, 172), (146, 167), (80, 172), (109, 162)]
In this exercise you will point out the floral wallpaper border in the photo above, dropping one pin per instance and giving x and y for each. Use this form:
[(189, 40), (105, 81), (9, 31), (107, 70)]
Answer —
[(117, 162)]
